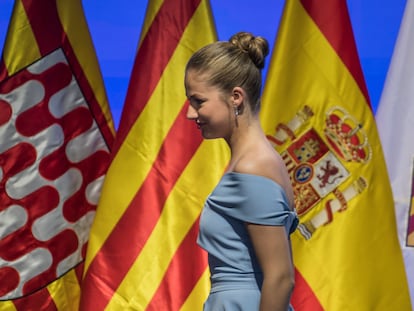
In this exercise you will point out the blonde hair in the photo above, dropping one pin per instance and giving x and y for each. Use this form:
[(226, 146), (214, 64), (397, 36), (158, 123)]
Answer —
[(237, 62)]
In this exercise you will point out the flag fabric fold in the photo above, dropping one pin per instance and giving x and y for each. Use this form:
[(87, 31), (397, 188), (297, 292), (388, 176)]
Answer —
[(56, 131), (142, 253), (316, 113), (394, 118)]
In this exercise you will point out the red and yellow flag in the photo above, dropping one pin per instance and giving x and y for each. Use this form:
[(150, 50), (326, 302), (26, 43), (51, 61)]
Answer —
[(142, 253), (55, 136), (317, 114)]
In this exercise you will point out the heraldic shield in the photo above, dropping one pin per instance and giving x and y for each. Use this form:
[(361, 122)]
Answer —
[(315, 163)]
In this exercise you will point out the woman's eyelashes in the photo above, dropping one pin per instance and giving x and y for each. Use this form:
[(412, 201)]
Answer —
[(196, 102)]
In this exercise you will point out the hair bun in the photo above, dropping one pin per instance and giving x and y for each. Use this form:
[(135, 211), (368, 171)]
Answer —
[(256, 47)]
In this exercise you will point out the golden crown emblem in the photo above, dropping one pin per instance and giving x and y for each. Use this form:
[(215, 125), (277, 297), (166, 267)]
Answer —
[(346, 136)]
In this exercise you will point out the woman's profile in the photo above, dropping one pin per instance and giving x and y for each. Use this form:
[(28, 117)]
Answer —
[(247, 220)]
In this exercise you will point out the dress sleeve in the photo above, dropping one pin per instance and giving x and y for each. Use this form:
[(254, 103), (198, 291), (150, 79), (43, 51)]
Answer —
[(255, 199)]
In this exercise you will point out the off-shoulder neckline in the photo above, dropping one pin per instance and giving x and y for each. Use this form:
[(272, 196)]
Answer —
[(255, 176), (261, 177)]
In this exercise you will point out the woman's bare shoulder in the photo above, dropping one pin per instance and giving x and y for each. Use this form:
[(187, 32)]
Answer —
[(263, 163), (268, 164)]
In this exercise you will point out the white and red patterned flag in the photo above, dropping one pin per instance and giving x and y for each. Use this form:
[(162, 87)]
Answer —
[(55, 138)]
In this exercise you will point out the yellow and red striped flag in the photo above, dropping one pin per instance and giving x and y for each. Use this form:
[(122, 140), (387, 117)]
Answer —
[(142, 253), (317, 114), (55, 136)]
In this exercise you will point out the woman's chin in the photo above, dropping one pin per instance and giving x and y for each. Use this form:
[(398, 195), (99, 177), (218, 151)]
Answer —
[(208, 135)]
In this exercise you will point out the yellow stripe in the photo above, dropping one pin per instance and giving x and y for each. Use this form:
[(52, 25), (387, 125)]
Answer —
[(65, 291), (411, 205), (21, 48), (410, 239), (145, 133), (7, 306), (73, 22)]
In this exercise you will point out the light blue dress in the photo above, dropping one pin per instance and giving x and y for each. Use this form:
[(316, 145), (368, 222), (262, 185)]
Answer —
[(236, 277)]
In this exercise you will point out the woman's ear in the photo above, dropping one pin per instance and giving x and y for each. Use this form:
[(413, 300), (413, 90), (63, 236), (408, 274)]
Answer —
[(238, 96)]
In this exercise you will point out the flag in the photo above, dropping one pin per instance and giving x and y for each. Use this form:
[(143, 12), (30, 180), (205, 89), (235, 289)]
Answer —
[(55, 136), (316, 113), (394, 119), (142, 253)]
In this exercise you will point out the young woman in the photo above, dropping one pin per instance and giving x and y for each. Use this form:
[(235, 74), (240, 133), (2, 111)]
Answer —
[(247, 219)]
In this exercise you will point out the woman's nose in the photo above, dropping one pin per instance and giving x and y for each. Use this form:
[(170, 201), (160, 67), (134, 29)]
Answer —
[(191, 112)]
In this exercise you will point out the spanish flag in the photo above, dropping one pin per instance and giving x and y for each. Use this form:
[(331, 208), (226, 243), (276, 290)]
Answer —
[(142, 253), (56, 132), (316, 113)]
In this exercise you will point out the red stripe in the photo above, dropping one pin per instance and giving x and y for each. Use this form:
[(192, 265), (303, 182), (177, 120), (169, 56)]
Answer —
[(40, 300), (153, 56), (139, 219), (45, 23), (333, 20), (3, 70), (410, 228), (49, 34), (181, 276), (303, 298), (79, 270)]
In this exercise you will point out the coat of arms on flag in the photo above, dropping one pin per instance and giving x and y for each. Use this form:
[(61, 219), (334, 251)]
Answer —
[(52, 166), (314, 162)]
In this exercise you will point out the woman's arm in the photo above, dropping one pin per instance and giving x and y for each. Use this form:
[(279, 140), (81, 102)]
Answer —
[(272, 249)]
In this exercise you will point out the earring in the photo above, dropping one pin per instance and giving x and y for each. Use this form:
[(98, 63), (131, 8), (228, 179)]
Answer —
[(236, 111)]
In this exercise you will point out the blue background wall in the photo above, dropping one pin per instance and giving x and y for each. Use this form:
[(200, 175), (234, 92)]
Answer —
[(115, 28)]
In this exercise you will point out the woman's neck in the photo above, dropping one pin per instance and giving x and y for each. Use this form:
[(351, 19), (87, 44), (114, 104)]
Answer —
[(246, 136)]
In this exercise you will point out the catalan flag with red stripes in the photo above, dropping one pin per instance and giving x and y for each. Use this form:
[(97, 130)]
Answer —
[(142, 253), (56, 132), (316, 113)]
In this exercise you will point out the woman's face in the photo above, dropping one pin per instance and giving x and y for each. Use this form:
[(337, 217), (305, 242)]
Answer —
[(208, 107)]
